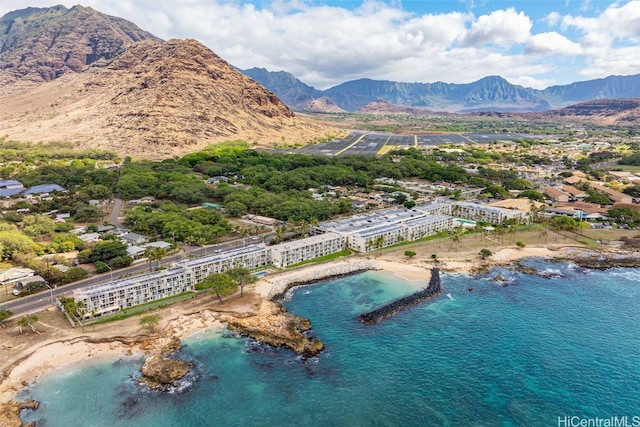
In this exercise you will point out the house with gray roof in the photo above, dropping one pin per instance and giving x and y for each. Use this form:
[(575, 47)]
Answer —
[(10, 187), (134, 239), (44, 189)]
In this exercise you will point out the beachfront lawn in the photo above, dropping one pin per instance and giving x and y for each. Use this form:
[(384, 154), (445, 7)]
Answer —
[(325, 258)]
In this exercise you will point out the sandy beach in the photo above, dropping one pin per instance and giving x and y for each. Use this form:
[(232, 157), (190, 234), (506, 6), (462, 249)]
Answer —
[(28, 356)]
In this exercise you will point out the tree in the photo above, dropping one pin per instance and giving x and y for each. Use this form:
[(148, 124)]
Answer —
[(624, 215), (107, 250), (485, 253), (154, 254), (242, 277), (532, 195), (409, 254), (220, 284), (409, 204), (378, 244), (520, 244), (235, 208), (150, 321), (5, 314), (27, 322), (456, 235)]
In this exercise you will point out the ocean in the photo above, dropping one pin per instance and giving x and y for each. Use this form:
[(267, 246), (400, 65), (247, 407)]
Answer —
[(517, 350)]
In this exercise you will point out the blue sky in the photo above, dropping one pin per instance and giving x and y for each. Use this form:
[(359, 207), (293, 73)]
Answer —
[(534, 43)]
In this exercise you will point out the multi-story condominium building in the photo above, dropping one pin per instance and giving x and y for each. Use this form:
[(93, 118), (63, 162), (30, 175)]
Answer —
[(484, 213), (418, 228), (367, 240), (252, 256), (119, 294), (296, 251), (435, 208)]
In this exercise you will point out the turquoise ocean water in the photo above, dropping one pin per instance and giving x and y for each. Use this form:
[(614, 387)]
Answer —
[(519, 352)]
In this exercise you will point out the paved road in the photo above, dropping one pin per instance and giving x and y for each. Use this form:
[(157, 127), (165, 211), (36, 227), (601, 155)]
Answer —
[(115, 212), (38, 302)]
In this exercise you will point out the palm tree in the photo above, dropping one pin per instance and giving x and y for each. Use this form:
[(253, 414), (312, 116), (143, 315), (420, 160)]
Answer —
[(456, 236), (378, 243)]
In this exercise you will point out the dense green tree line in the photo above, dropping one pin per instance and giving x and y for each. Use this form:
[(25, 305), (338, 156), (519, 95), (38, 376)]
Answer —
[(174, 222)]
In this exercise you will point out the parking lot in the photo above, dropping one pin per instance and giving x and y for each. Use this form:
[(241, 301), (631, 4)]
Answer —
[(377, 143)]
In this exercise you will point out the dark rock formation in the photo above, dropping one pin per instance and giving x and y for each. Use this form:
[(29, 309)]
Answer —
[(395, 307)]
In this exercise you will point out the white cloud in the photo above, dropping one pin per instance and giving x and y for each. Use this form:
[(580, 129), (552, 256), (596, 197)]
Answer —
[(552, 19), (501, 28), (551, 43)]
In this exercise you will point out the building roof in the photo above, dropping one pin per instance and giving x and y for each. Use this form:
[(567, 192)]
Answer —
[(573, 179), (573, 191), (554, 192), (133, 237), (10, 187), (159, 244), (522, 204), (616, 196), (15, 274), (44, 188)]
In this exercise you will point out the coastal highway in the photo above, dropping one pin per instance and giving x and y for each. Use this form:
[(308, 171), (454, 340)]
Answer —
[(38, 302)]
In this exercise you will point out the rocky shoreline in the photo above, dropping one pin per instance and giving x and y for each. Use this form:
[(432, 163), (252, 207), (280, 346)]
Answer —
[(278, 328), (10, 413)]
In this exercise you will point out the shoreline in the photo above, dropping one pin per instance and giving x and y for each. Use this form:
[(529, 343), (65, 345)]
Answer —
[(125, 338)]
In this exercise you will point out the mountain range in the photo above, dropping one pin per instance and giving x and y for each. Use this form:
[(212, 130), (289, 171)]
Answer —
[(491, 93), (102, 82)]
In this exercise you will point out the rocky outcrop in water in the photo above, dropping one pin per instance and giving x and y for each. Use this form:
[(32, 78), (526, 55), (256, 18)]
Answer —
[(278, 328), (395, 307), (10, 413), (162, 373)]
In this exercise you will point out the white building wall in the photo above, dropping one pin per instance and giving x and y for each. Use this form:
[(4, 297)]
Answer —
[(289, 253), (364, 241)]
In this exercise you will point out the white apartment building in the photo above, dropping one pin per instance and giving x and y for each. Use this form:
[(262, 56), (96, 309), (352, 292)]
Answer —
[(484, 213), (123, 293), (365, 240), (252, 256), (418, 228), (435, 208), (296, 251)]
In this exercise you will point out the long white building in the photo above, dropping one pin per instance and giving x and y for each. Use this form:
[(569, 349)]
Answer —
[(367, 240), (182, 277), (293, 252), (123, 293), (485, 213)]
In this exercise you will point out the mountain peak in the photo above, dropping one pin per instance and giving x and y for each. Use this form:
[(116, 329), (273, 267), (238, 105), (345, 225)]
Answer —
[(41, 44)]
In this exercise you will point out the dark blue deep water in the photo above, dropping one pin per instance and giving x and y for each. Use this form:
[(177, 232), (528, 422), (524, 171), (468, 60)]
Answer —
[(521, 351)]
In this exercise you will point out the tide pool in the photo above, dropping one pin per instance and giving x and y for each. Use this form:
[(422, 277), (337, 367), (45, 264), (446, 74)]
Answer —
[(521, 351)]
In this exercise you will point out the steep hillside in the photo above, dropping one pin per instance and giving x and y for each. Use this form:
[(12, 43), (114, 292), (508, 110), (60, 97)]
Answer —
[(604, 112), (38, 45), (155, 100), (290, 90)]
